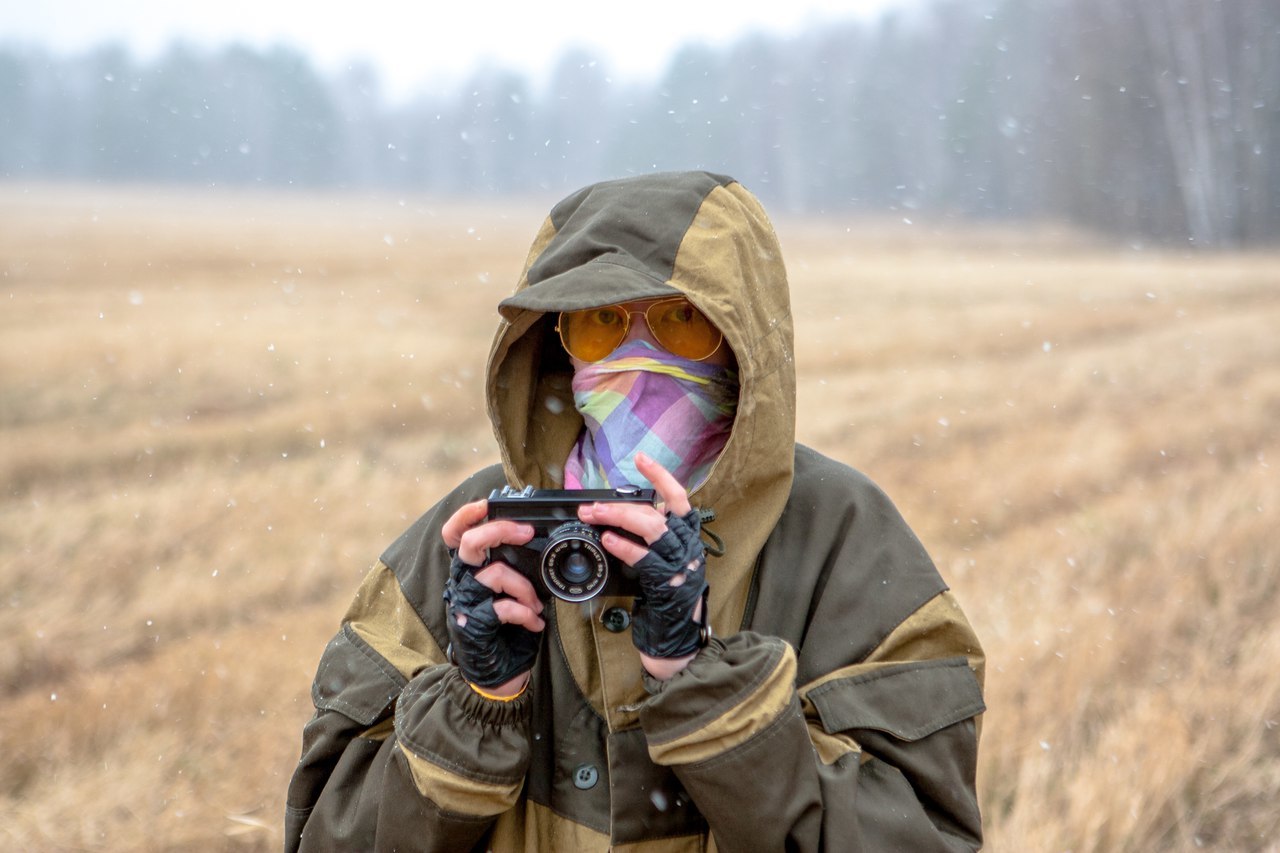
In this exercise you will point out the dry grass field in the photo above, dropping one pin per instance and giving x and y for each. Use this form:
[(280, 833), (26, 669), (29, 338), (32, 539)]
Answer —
[(216, 410)]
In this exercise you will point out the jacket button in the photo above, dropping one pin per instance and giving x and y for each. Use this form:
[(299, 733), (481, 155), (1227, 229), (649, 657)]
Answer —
[(616, 619), (585, 776)]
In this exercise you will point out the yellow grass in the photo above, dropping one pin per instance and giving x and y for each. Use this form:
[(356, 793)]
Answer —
[(216, 410)]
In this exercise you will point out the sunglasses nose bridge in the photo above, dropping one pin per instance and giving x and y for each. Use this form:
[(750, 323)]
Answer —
[(629, 328), (643, 330)]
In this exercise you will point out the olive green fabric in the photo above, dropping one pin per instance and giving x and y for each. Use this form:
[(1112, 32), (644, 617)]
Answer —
[(836, 708)]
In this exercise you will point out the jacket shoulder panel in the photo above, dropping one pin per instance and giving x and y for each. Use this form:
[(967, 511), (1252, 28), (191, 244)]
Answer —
[(841, 570), (354, 680)]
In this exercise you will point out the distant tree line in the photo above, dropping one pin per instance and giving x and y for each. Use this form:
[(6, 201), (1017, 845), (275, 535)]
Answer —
[(1150, 119)]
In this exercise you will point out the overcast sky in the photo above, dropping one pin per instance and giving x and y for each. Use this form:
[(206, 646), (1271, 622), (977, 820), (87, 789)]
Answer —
[(414, 44)]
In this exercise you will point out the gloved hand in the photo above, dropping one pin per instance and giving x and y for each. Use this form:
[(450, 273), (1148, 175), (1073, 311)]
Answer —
[(489, 651), (667, 625), (673, 580), (493, 612)]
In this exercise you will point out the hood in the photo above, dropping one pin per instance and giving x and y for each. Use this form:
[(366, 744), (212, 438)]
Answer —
[(692, 233)]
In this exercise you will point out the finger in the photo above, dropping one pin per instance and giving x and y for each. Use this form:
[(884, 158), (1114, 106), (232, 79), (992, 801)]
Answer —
[(475, 542), (623, 548), (641, 519), (513, 612), (467, 516), (504, 580), (674, 495)]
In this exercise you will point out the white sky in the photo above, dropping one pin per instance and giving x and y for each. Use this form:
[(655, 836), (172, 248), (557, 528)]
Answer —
[(413, 44)]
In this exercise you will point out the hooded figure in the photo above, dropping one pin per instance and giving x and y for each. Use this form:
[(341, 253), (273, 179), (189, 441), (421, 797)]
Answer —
[(836, 704)]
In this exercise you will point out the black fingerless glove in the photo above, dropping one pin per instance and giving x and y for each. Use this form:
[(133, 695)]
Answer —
[(489, 652), (662, 625)]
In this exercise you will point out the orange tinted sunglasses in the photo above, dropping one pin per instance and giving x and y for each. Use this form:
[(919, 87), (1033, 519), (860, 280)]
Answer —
[(591, 334)]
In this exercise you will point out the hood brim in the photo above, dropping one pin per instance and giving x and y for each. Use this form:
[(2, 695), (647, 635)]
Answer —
[(600, 282)]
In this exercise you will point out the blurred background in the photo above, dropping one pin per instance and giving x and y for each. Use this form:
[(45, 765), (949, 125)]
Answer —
[(1147, 121), (250, 255)]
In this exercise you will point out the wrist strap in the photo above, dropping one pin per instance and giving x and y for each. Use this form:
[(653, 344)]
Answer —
[(494, 698)]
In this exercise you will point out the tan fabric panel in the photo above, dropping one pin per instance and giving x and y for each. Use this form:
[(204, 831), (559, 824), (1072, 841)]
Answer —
[(380, 731), (741, 285), (937, 629), (830, 748), (537, 829), (460, 794), (385, 619), (509, 411), (760, 708), (621, 673), (526, 429), (686, 844), (605, 665), (546, 233)]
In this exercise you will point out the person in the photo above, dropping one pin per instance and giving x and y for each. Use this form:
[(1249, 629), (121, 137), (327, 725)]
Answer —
[(790, 671)]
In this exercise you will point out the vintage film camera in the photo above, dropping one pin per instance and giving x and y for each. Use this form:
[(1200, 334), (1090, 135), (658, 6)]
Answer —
[(565, 554)]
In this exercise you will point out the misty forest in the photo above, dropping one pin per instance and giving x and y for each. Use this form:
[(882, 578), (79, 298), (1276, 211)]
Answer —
[(1148, 122)]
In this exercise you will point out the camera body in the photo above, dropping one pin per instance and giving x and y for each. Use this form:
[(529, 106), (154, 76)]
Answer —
[(565, 555)]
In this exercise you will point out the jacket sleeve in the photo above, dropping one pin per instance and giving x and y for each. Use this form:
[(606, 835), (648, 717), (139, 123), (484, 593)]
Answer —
[(879, 755), (422, 763), (401, 753)]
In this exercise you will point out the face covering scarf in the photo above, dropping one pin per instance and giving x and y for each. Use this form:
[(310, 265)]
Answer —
[(642, 398)]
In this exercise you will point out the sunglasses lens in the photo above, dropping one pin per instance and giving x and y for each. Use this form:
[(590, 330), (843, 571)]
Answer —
[(683, 329), (592, 334)]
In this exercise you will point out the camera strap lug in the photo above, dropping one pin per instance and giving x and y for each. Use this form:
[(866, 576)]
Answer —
[(716, 546)]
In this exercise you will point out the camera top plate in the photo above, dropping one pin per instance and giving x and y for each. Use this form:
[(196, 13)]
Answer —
[(556, 505)]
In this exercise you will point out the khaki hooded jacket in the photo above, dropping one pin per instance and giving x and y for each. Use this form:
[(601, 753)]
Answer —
[(837, 706)]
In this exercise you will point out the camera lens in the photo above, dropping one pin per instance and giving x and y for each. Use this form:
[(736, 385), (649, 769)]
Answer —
[(574, 564), (576, 568)]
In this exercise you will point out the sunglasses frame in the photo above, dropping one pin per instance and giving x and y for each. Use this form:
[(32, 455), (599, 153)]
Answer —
[(626, 327)]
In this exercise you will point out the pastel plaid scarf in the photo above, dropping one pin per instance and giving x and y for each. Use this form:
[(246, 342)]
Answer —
[(642, 398)]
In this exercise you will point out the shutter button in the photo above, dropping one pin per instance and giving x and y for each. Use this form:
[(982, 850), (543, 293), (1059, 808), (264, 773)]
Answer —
[(616, 619), (585, 776)]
